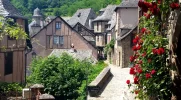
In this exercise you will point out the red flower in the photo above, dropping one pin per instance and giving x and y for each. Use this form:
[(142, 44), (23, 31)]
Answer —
[(135, 41), (140, 62), (147, 15), (136, 80), (147, 75), (144, 54), (160, 51), (128, 81), (136, 91), (132, 71), (174, 5), (138, 47), (143, 30), (149, 60), (153, 72), (154, 51), (159, 1), (140, 42), (140, 70), (154, 9), (134, 48), (132, 58)]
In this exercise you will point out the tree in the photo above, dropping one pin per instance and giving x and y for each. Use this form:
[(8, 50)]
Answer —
[(8, 27), (62, 76)]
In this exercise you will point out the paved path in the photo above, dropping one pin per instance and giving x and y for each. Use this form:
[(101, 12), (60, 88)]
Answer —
[(117, 88)]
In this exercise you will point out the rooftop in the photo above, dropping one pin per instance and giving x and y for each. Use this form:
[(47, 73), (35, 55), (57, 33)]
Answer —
[(128, 3), (81, 16), (8, 10), (107, 15)]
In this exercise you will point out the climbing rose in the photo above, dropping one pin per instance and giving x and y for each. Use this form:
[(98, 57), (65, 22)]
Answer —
[(132, 71), (144, 54), (140, 42), (131, 58), (159, 1), (143, 30), (138, 47), (140, 70), (140, 62), (136, 80), (136, 91), (134, 48), (153, 72), (174, 5), (147, 15), (154, 9), (161, 50), (128, 81), (135, 41), (154, 51), (147, 75)]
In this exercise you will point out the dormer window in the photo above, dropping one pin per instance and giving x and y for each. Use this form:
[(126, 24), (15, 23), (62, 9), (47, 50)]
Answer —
[(58, 25)]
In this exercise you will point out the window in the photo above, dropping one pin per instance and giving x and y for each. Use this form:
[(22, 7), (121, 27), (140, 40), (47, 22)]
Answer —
[(97, 38), (8, 62), (58, 40), (61, 39), (58, 25)]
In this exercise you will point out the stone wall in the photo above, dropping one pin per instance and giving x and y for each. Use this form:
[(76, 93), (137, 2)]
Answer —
[(174, 30)]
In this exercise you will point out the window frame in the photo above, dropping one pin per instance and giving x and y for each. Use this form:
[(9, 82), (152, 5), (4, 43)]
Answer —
[(60, 40), (58, 25), (8, 63)]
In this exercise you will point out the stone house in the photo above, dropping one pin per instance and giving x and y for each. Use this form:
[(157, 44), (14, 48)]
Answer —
[(86, 33), (84, 17), (127, 18), (58, 34), (101, 25), (12, 51)]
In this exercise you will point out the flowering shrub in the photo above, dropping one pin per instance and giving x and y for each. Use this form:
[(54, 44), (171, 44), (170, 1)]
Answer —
[(151, 74)]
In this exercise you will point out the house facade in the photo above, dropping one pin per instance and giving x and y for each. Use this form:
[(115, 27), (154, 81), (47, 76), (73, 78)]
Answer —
[(12, 51), (58, 34), (86, 33), (100, 24), (127, 18)]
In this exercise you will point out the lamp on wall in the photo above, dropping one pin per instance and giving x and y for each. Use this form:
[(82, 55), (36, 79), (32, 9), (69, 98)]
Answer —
[(33, 54)]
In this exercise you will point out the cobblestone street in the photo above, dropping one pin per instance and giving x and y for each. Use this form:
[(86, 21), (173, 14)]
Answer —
[(117, 88)]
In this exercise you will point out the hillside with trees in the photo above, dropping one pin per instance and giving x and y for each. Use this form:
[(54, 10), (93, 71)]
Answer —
[(59, 7)]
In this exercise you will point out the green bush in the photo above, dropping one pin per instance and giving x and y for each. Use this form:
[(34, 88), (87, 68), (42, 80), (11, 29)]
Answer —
[(12, 89), (62, 76)]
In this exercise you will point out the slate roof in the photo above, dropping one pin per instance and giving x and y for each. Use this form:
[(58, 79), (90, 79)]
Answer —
[(128, 3), (78, 54), (112, 22), (107, 15), (82, 16), (8, 10)]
